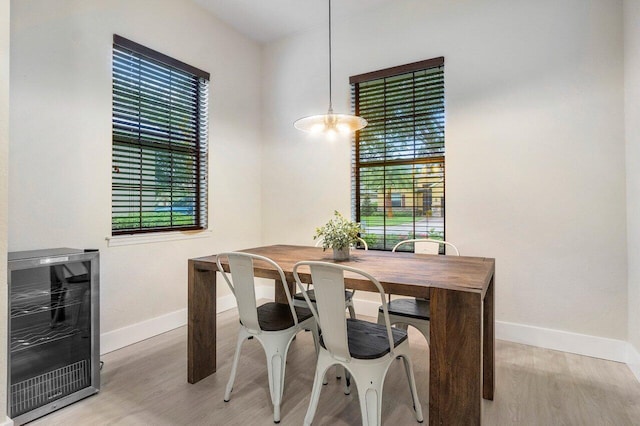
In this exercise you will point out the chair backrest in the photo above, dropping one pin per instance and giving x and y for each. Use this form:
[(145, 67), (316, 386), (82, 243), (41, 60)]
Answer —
[(429, 246), (242, 285), (360, 240), (328, 283)]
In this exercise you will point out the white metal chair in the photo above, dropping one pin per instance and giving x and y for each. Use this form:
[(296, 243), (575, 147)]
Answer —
[(415, 312), (366, 350), (272, 324), (298, 298)]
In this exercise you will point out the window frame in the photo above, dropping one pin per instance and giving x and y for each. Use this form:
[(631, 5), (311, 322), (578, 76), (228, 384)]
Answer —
[(357, 165), (198, 153)]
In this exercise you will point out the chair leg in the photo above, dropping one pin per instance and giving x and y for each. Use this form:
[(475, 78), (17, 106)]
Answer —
[(347, 382), (352, 311), (425, 330), (316, 338), (321, 369), (276, 351), (408, 367), (370, 396), (342, 372), (242, 336)]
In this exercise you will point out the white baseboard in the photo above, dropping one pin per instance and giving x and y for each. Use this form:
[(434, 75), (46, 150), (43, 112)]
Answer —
[(565, 341), (582, 344), (633, 360), (7, 422), (225, 303), (125, 336), (138, 332)]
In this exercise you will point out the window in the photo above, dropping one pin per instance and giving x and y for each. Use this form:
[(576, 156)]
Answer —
[(159, 173), (398, 159)]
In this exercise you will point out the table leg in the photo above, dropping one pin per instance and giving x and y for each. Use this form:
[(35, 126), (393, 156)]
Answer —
[(455, 375), (488, 344), (280, 295), (201, 343)]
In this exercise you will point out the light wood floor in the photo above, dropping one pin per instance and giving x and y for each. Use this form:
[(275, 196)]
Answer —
[(145, 384)]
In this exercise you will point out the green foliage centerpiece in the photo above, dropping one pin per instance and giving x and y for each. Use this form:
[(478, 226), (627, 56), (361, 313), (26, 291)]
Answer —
[(339, 233)]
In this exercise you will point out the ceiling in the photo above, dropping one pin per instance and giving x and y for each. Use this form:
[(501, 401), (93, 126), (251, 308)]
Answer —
[(268, 20)]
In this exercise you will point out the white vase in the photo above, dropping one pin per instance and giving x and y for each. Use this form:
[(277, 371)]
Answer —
[(341, 253)]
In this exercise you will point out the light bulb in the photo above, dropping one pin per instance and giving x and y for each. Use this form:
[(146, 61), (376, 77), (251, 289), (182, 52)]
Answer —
[(316, 128), (343, 129)]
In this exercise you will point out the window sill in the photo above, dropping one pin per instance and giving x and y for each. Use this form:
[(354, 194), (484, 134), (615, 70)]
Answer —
[(160, 237)]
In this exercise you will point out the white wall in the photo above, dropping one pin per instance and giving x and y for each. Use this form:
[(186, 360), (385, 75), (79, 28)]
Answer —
[(60, 177), (534, 135), (4, 164), (632, 127), (534, 90)]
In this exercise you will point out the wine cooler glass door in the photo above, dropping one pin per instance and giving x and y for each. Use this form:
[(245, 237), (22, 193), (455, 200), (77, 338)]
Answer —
[(50, 333)]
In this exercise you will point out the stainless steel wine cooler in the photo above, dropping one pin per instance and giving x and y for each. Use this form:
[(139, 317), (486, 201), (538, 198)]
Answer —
[(54, 339)]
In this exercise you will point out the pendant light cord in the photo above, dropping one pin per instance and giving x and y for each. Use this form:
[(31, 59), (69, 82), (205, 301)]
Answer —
[(330, 123), (330, 100)]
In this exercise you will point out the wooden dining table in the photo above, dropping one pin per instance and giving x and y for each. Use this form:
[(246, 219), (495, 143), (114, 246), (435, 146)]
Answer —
[(461, 291)]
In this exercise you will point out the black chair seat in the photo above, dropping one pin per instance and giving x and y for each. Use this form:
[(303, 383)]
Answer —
[(312, 295), (412, 308), (277, 316), (368, 340)]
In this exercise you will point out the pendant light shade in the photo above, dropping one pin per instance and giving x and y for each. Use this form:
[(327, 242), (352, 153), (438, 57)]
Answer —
[(330, 124)]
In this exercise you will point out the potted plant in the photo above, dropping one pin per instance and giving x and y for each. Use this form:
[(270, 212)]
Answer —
[(339, 233)]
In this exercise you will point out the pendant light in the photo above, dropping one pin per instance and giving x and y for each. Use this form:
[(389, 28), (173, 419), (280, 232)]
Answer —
[(330, 124)]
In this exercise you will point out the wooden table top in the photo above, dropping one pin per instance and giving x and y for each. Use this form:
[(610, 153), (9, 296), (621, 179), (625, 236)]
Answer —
[(400, 273)]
